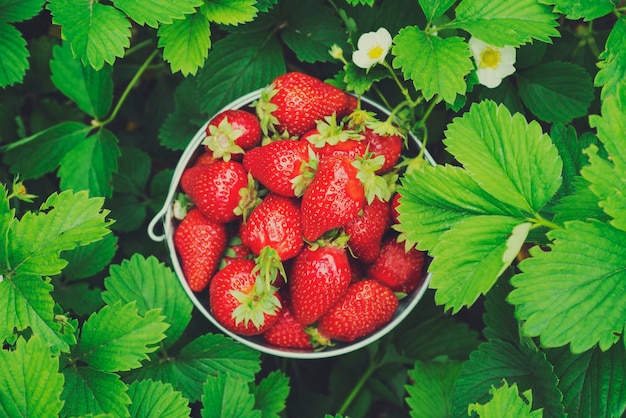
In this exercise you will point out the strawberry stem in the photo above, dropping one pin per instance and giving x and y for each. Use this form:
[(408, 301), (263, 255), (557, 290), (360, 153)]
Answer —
[(268, 265)]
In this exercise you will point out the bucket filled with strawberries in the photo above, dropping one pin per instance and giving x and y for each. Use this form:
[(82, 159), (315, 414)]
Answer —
[(280, 220)]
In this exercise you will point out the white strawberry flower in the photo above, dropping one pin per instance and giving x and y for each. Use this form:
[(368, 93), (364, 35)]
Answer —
[(492, 63), (372, 48)]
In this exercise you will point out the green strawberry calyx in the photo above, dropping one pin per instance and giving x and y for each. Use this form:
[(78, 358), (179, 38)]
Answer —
[(308, 169), (268, 266), (375, 186), (331, 133), (317, 339), (265, 109), (221, 140), (256, 304), (248, 198)]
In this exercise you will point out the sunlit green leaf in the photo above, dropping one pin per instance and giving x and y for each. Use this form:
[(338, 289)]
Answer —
[(238, 64), (580, 204), (430, 391), (608, 177), (30, 380), (204, 356), (227, 396), (153, 286), (434, 8), (436, 198), (502, 22), (270, 395), (556, 91), (90, 164), (25, 301), (14, 58), (43, 151), (613, 67), (506, 402), (14, 11), (437, 66), (462, 273), (91, 90), (109, 344), (98, 32), (149, 396), (66, 220), (496, 360), (230, 12), (570, 148), (511, 159), (573, 294), (311, 30), (582, 9), (157, 11), (592, 382), (89, 392), (186, 43)]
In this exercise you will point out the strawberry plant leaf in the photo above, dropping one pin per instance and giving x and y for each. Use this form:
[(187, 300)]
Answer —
[(87, 260), (265, 5), (461, 274), (148, 396), (80, 298), (98, 33), (499, 318), (509, 158), (230, 12), (26, 302), (42, 152), (6, 218), (430, 391), (556, 91), (241, 63), (582, 203), (153, 286), (14, 61), (134, 167), (592, 382), (496, 360), (91, 90), (270, 395), (607, 177), (186, 43), (582, 9), (363, 2), (65, 221), (224, 396), (90, 164), (436, 198), (434, 8), (183, 123), (572, 294), (311, 30), (206, 355), (109, 344), (30, 379), (613, 65), (570, 148), (157, 12), (88, 392), (437, 66), (506, 402), (14, 11), (501, 23), (128, 212)]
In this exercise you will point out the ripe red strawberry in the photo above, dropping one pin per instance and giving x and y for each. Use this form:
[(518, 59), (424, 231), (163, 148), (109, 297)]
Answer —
[(330, 137), (277, 165), (240, 302), (319, 277), (334, 197), (366, 307), (231, 132), (398, 269), (235, 250), (387, 145), (295, 101), (222, 190), (287, 332), (366, 230), (273, 232), (200, 243), (205, 158)]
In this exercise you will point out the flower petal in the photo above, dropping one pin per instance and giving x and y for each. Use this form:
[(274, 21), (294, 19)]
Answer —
[(361, 59)]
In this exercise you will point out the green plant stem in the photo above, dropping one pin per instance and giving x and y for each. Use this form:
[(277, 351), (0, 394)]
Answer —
[(137, 47), (403, 90), (357, 388), (540, 221), (129, 87)]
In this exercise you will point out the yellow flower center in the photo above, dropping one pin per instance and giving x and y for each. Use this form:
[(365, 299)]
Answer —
[(375, 53), (490, 58)]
